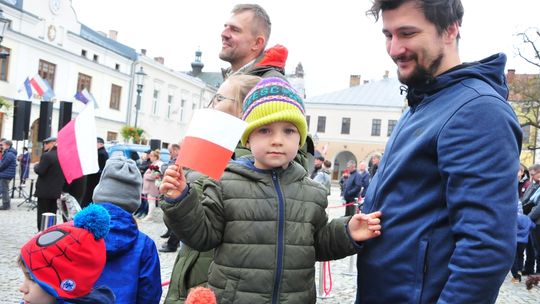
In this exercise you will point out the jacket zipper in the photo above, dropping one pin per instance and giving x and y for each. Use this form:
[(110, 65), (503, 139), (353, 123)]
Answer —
[(281, 224)]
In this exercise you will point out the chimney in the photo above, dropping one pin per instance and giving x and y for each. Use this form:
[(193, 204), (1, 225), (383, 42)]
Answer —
[(510, 75), (354, 80), (143, 51), (366, 81), (160, 59), (113, 34), (386, 74)]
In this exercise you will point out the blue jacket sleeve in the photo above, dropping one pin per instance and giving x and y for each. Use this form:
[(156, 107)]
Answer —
[(150, 289), (6, 161), (478, 153)]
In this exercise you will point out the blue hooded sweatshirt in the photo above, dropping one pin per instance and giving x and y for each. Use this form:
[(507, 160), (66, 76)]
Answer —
[(446, 187), (132, 270)]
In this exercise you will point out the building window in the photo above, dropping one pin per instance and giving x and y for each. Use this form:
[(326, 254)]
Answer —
[(307, 120), (155, 102), (83, 53), (376, 127), (346, 125), (182, 105), (116, 93), (4, 64), (117, 67), (391, 125), (112, 136), (169, 105), (84, 82), (321, 124), (47, 71), (96, 58)]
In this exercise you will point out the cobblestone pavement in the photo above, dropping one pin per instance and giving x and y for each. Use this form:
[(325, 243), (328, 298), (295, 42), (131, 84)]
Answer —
[(19, 224)]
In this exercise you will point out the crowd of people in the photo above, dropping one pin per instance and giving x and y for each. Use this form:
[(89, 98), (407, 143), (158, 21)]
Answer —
[(442, 218)]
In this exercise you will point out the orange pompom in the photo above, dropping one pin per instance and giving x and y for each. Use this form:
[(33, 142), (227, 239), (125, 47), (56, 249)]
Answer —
[(201, 295)]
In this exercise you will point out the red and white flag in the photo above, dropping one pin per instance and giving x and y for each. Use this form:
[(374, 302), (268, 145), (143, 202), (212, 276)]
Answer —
[(210, 141), (76, 145)]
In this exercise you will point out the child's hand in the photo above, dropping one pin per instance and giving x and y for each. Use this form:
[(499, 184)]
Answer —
[(365, 226), (173, 183)]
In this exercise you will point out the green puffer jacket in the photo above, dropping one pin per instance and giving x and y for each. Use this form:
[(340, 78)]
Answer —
[(268, 227), (191, 266)]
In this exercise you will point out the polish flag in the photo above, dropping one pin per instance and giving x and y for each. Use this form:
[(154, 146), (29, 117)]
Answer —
[(76, 145), (210, 141)]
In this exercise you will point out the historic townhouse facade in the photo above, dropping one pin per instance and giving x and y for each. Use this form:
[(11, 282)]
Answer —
[(354, 123), (44, 37)]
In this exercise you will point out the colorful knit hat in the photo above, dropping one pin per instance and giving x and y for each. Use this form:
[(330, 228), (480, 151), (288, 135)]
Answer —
[(67, 259), (271, 100)]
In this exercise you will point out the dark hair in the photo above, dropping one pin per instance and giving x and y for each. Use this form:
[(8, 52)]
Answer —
[(442, 13), (321, 158), (327, 164), (261, 18), (100, 140)]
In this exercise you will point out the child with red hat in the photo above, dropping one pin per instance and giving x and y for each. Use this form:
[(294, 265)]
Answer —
[(62, 263)]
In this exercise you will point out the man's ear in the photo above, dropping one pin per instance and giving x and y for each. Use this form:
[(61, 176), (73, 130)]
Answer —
[(451, 33), (260, 42)]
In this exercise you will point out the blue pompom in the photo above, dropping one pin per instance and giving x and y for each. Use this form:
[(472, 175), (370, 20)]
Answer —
[(95, 219)]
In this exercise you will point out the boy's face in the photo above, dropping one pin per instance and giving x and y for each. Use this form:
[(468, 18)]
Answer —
[(33, 293), (274, 145)]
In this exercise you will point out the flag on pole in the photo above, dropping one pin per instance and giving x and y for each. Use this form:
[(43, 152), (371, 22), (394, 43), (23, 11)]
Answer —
[(210, 141), (28, 87), (84, 96), (76, 145), (41, 86)]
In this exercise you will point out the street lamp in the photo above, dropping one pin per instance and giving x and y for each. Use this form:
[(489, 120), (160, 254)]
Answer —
[(3, 26), (139, 78)]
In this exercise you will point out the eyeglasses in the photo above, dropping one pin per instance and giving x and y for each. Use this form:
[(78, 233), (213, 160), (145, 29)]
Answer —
[(217, 99)]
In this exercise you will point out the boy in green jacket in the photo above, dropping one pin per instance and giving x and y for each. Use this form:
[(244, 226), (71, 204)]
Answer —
[(265, 217)]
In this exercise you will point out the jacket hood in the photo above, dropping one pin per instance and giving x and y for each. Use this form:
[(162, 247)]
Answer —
[(490, 70), (245, 166), (123, 231), (100, 295)]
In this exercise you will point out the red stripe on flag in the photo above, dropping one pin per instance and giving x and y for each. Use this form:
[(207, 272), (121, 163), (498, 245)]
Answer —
[(36, 86), (68, 155), (203, 156)]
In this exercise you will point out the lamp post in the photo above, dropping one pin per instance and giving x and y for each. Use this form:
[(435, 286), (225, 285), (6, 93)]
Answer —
[(3, 26), (139, 78)]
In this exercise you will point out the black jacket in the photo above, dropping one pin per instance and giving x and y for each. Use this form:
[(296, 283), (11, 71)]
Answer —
[(50, 179)]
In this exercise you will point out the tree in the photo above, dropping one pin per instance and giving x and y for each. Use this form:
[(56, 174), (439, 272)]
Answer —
[(525, 90)]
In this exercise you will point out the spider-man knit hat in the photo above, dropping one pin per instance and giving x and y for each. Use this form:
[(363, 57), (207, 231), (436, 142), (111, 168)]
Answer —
[(67, 259)]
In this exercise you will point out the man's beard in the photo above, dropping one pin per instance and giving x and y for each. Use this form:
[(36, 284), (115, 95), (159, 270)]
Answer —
[(420, 75)]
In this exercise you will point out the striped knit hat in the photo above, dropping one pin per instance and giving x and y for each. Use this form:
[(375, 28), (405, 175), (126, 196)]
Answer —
[(271, 100)]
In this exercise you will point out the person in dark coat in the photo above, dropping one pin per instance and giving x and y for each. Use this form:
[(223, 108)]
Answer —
[(24, 165), (8, 167), (50, 179), (93, 179)]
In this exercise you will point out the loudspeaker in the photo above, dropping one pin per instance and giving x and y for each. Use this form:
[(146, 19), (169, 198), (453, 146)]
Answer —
[(21, 119), (65, 114), (45, 120), (155, 144)]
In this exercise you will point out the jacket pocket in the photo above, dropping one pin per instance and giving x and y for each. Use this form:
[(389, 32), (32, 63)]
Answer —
[(230, 292), (421, 270)]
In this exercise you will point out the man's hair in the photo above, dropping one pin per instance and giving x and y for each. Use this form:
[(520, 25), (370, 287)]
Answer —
[(100, 140), (442, 13), (376, 156), (535, 167), (175, 146), (321, 158), (260, 17), (327, 164), (351, 163), (8, 142)]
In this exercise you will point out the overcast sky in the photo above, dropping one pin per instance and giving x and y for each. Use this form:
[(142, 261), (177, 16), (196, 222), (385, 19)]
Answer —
[(332, 39)]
